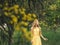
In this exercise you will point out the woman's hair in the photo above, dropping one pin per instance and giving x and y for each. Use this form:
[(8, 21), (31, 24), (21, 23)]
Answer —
[(35, 23)]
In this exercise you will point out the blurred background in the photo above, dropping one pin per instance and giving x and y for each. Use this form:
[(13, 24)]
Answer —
[(16, 17)]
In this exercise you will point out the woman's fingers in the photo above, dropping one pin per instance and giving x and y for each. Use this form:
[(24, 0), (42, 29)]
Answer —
[(45, 39)]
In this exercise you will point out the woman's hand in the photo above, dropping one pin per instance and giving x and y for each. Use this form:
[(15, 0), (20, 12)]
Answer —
[(45, 39)]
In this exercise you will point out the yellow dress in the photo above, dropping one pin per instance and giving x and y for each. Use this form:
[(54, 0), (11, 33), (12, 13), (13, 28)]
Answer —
[(36, 40)]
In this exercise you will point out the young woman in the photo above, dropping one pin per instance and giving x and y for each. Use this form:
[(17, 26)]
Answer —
[(36, 33)]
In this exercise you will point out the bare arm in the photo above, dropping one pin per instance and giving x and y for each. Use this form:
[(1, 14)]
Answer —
[(42, 35)]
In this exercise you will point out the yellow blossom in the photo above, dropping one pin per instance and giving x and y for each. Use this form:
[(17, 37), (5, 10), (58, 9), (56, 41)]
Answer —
[(11, 8), (14, 18), (34, 15), (44, 13), (26, 24), (21, 11), (16, 11), (5, 8), (24, 17), (6, 4), (24, 30), (29, 14), (16, 6), (17, 27), (6, 13), (53, 7)]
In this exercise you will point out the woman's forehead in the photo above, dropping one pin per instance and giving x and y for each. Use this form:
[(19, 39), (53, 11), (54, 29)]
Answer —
[(35, 20)]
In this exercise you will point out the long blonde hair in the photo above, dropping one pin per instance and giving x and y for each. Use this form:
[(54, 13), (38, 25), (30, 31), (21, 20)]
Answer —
[(35, 23)]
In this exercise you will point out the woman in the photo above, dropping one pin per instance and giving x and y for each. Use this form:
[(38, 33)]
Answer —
[(36, 33)]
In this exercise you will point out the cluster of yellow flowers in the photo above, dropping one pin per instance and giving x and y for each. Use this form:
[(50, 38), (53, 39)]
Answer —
[(24, 23), (15, 12), (53, 7), (26, 33), (14, 18), (29, 17)]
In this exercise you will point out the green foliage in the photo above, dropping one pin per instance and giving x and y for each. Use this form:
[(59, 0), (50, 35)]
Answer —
[(19, 14)]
